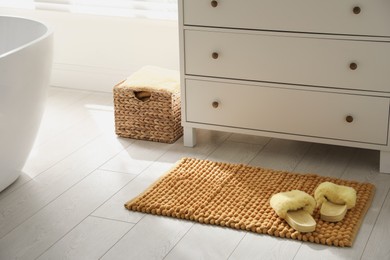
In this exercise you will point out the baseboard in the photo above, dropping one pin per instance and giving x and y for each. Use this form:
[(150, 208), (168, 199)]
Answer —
[(87, 77)]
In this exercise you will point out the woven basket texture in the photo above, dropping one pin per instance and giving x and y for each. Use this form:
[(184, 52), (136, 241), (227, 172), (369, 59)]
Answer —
[(155, 119)]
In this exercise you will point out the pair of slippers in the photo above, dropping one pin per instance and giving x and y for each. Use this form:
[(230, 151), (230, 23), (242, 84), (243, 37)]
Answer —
[(297, 207)]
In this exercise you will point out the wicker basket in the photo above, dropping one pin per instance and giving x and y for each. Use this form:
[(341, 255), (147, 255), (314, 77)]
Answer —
[(147, 112)]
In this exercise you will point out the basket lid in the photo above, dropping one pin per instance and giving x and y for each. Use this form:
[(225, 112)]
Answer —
[(153, 78)]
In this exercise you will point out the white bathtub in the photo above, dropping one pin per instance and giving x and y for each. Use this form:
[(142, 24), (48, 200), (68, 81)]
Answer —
[(25, 66)]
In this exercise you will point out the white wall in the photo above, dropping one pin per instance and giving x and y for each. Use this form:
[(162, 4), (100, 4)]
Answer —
[(96, 52)]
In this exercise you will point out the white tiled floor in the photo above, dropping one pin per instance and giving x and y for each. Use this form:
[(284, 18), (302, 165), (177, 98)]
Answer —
[(68, 203)]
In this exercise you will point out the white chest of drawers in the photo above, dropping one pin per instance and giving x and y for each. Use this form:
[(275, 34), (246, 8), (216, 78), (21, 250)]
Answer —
[(307, 70)]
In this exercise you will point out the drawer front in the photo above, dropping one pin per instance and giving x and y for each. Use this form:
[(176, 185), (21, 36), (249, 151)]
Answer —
[(282, 58), (330, 16), (306, 113)]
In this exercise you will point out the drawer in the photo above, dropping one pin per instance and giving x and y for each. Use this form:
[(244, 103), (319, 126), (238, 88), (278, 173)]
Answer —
[(281, 110), (280, 57), (330, 16)]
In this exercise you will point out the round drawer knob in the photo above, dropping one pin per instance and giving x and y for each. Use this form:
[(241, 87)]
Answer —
[(349, 119), (353, 66), (214, 3), (215, 55), (356, 10), (215, 104)]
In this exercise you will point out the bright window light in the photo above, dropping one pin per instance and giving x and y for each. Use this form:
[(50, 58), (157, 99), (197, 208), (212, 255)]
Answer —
[(152, 9)]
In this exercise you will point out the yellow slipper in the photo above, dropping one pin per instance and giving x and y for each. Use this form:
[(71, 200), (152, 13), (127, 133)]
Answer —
[(296, 207), (334, 200)]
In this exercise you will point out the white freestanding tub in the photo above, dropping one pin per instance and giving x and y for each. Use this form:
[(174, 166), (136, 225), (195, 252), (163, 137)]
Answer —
[(25, 66)]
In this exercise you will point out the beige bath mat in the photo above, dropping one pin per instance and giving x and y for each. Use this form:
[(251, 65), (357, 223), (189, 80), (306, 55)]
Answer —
[(237, 196)]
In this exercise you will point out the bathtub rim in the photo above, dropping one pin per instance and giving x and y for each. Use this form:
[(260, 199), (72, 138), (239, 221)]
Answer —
[(48, 33)]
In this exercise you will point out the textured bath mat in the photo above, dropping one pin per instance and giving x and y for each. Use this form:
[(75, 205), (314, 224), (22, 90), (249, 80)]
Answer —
[(237, 196)]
